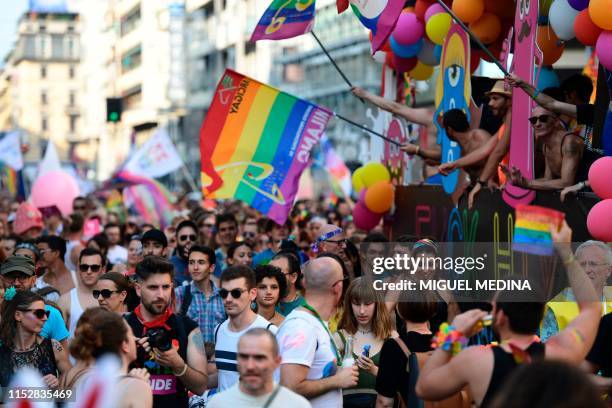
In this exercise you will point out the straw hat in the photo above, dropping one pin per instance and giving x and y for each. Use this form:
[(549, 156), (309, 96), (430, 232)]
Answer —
[(500, 88)]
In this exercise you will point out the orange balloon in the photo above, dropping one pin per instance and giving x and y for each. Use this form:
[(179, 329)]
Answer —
[(601, 13), (468, 10), (501, 8), (550, 45), (586, 31), (379, 197), (487, 28)]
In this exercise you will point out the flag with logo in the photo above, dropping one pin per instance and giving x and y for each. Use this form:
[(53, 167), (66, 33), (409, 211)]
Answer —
[(157, 157), (10, 151), (285, 19), (379, 16)]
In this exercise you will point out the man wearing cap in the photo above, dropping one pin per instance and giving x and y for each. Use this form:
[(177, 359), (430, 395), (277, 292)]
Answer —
[(154, 242), (19, 271)]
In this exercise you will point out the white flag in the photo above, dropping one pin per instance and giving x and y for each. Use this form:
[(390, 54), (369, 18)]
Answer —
[(50, 161), (98, 390), (155, 158), (10, 151), (27, 380)]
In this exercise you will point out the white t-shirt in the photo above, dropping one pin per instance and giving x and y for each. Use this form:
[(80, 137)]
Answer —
[(226, 347), (233, 397), (117, 254), (303, 340)]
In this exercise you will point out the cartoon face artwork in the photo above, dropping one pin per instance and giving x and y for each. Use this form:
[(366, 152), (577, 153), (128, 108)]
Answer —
[(522, 136), (453, 92)]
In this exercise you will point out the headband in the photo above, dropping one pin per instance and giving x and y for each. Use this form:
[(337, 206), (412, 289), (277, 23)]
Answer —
[(324, 237)]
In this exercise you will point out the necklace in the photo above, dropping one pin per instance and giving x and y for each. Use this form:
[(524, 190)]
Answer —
[(365, 331)]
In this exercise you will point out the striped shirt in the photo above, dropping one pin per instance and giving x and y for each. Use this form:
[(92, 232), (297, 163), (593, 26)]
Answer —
[(206, 312)]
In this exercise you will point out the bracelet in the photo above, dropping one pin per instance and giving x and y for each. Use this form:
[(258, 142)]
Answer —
[(449, 339), (569, 261), (482, 183), (182, 373), (536, 92), (417, 150)]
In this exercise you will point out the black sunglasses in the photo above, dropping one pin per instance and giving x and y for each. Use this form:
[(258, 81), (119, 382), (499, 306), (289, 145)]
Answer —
[(236, 293), (39, 313), (542, 118), (85, 268), (106, 293), (184, 237)]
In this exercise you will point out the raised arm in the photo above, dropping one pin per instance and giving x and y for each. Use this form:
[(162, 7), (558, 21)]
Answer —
[(541, 99), (419, 116)]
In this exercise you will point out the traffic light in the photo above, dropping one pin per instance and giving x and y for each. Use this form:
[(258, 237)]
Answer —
[(113, 109)]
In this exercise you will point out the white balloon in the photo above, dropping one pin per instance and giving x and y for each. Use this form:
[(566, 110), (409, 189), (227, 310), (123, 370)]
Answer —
[(561, 17)]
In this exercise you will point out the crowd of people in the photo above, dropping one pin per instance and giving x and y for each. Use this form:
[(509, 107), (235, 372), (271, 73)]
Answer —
[(225, 307)]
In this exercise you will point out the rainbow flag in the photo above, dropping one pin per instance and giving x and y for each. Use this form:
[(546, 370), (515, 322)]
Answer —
[(340, 175), (532, 229), (255, 142), (9, 180), (285, 19), (379, 16)]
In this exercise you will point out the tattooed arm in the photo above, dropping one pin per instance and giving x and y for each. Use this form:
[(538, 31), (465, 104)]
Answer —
[(61, 357)]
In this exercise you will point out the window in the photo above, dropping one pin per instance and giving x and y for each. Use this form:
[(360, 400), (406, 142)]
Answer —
[(249, 47), (43, 71), (131, 59), (44, 123), (71, 98), (130, 21), (71, 51), (43, 98), (71, 71), (57, 46), (73, 122)]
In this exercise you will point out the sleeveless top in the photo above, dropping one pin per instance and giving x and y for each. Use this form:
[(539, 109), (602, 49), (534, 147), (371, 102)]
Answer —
[(41, 358), (366, 384), (76, 310), (503, 365)]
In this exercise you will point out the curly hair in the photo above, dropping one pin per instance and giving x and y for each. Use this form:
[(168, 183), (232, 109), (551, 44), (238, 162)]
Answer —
[(98, 332)]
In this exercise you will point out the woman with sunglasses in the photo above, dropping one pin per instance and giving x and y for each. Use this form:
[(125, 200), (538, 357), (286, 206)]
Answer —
[(367, 321), (111, 292), (239, 253), (22, 318), (271, 288)]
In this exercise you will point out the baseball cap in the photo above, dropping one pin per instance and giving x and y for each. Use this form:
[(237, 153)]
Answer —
[(27, 217), (155, 235), (18, 263)]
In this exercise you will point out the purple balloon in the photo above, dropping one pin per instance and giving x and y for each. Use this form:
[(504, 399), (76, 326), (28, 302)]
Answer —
[(579, 4), (433, 9), (408, 29)]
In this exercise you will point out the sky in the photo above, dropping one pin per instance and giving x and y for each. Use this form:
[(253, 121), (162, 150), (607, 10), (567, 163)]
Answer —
[(11, 11)]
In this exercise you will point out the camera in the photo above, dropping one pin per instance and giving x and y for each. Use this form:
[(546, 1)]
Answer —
[(159, 338)]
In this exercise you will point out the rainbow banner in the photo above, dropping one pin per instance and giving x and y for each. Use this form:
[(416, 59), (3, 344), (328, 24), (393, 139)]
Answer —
[(379, 16), (285, 19), (532, 229), (255, 142)]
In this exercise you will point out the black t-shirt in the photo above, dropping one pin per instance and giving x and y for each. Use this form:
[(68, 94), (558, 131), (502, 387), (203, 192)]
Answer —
[(392, 375), (168, 390), (601, 353), (585, 114)]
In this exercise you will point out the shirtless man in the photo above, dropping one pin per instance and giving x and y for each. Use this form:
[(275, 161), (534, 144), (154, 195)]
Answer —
[(562, 154)]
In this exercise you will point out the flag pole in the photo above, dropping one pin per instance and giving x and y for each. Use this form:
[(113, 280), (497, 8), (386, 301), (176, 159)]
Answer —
[(367, 129), (189, 178)]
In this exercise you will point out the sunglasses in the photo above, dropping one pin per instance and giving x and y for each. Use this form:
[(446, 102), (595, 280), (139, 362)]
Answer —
[(236, 293), (185, 237), (106, 293), (249, 234), (85, 268), (39, 313), (21, 277), (541, 118)]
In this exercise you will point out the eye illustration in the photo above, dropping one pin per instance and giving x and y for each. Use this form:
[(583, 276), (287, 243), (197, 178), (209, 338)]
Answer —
[(454, 74)]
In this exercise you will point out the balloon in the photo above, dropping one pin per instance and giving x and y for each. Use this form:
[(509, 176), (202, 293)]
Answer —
[(365, 219), (390, 60), (599, 221), (561, 17), (487, 28), (474, 60), (380, 56), (427, 55), (586, 30), (604, 49), (545, 7), (550, 45), (379, 197), (548, 79), (373, 172), (438, 52), (57, 188), (362, 195), (437, 27), (421, 72), (502, 9), (435, 8), (357, 179), (403, 64), (468, 11), (408, 30), (405, 51), (601, 13), (579, 4), (599, 172), (421, 7)]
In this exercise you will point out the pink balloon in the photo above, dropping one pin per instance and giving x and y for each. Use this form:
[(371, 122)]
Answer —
[(599, 221), (365, 219), (433, 9), (599, 172), (55, 188), (362, 194), (409, 29), (604, 49)]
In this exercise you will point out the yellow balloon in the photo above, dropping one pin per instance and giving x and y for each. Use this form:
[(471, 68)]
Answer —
[(421, 72), (437, 27), (357, 179), (373, 172)]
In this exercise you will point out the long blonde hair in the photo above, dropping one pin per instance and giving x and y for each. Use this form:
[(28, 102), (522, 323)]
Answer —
[(361, 291)]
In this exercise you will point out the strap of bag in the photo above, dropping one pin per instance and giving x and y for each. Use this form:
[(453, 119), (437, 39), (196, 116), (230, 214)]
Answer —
[(271, 397), (187, 297), (404, 348)]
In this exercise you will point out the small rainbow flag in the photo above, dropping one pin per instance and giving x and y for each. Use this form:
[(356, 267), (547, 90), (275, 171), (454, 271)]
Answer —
[(379, 16), (9, 180), (285, 19), (532, 229), (255, 142), (149, 197)]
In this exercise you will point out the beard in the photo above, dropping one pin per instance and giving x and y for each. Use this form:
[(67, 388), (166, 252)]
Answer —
[(154, 309)]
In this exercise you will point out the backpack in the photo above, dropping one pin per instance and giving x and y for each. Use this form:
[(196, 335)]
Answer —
[(416, 361), (187, 298)]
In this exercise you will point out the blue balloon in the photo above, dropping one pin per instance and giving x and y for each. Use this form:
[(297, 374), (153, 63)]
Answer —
[(405, 51), (438, 52), (548, 79)]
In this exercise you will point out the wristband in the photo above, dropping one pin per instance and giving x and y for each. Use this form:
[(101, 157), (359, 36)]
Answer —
[(449, 339), (482, 183), (417, 150), (536, 92), (182, 373), (569, 261)]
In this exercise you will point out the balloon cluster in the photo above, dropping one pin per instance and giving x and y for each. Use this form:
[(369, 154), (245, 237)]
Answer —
[(599, 221), (589, 21), (376, 193)]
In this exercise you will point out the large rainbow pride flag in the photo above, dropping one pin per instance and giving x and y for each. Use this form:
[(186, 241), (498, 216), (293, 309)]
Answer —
[(255, 142), (532, 229), (285, 19)]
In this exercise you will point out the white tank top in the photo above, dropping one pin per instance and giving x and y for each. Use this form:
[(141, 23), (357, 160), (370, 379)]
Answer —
[(76, 310)]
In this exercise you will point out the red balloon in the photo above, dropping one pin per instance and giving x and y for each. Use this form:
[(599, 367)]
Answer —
[(404, 64), (365, 219), (549, 43), (386, 46), (587, 32), (474, 59), (421, 7), (390, 60)]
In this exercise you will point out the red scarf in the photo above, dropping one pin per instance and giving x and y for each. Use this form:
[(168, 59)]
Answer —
[(157, 322)]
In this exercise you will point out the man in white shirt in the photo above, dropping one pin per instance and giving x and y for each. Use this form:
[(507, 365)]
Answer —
[(238, 291), (310, 359), (116, 253), (258, 359)]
